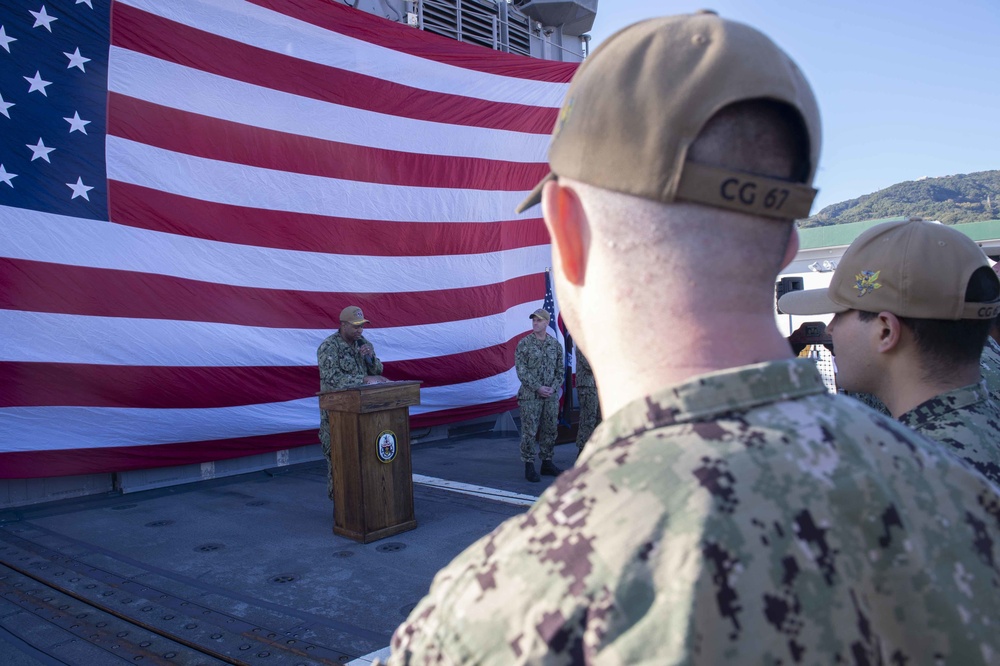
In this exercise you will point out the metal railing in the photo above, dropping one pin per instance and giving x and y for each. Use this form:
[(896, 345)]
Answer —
[(483, 22)]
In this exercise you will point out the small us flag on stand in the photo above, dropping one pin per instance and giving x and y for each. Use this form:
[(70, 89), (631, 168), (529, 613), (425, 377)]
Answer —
[(550, 306)]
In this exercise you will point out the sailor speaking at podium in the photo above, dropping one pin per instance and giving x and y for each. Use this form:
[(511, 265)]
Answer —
[(345, 359)]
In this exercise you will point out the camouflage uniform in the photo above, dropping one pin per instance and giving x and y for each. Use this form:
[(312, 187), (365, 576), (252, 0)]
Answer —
[(968, 420), (538, 363), (871, 401), (586, 390), (745, 516), (340, 366), (989, 367)]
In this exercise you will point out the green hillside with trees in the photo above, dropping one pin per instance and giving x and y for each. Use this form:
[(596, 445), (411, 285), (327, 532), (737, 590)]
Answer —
[(970, 197)]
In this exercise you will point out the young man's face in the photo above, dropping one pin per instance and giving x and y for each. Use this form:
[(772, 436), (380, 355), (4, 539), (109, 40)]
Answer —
[(350, 332), (853, 350), (538, 325)]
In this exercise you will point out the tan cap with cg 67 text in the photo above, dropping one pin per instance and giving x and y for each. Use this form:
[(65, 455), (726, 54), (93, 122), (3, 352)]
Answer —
[(639, 101)]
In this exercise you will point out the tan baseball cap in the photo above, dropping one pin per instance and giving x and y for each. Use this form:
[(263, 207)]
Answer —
[(639, 101), (541, 313), (352, 315), (910, 268)]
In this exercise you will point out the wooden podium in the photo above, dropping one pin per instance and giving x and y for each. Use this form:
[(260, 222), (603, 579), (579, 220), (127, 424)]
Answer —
[(370, 455)]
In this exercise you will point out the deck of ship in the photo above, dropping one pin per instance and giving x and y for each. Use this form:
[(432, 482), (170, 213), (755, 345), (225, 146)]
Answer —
[(243, 569)]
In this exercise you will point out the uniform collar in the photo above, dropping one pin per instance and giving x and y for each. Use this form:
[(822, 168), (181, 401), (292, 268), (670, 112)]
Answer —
[(711, 395), (946, 403)]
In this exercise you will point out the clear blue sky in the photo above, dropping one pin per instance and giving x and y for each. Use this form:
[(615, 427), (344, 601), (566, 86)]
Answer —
[(905, 89)]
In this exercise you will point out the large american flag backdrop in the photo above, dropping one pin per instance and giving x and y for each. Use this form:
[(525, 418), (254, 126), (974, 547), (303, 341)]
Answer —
[(192, 190)]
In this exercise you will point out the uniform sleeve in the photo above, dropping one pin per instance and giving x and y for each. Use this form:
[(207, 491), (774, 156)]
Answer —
[(559, 367), (330, 374), (524, 373)]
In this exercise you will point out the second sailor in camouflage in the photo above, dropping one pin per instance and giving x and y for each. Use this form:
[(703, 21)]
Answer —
[(538, 360), (913, 303), (586, 391)]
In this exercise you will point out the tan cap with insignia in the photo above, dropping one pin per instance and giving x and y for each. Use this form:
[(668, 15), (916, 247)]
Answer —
[(639, 101), (910, 268), (352, 315), (540, 313)]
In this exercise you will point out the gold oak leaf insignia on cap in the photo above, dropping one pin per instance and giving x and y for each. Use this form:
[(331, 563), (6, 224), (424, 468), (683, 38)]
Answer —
[(866, 282)]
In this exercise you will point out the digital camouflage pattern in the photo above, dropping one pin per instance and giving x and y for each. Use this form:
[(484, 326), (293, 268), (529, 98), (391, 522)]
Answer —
[(586, 391), (989, 367), (870, 400), (968, 421), (539, 417), (340, 366), (538, 363), (745, 517)]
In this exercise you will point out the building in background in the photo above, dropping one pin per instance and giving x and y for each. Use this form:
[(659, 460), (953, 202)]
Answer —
[(548, 29)]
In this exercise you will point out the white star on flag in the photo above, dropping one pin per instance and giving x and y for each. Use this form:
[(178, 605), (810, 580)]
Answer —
[(4, 106), (5, 40), (37, 83), (76, 123), (6, 177), (85, 2), (76, 60), (39, 150), (43, 19), (79, 189)]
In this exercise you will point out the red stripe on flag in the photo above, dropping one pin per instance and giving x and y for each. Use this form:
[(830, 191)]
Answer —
[(399, 37), (211, 138), (146, 208), (138, 31), (36, 286), (40, 384), (462, 413), (67, 462)]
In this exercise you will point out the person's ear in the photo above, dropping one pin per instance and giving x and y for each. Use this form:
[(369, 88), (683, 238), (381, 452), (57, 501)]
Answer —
[(890, 331), (569, 229)]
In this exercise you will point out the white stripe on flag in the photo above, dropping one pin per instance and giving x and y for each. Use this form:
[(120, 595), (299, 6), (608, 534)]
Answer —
[(272, 31), (77, 242), (89, 427), (240, 185), (36, 337), (142, 77)]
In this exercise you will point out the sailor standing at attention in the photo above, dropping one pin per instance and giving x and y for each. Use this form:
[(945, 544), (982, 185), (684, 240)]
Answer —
[(538, 360)]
